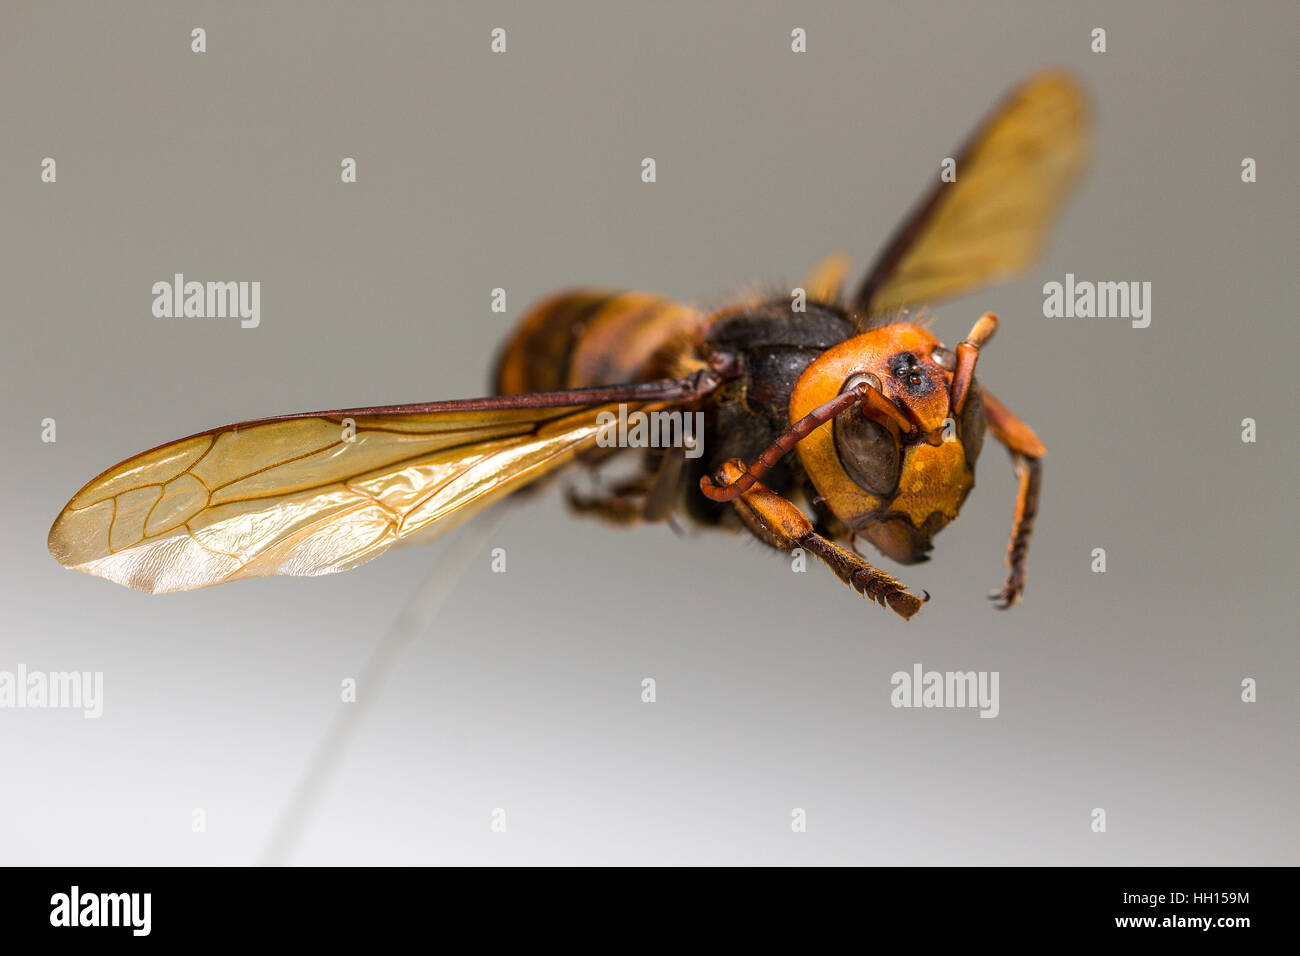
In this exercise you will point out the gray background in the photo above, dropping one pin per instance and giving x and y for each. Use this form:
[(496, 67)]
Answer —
[(1119, 690)]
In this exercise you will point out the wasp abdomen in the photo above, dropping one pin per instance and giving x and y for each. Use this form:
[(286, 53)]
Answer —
[(589, 337)]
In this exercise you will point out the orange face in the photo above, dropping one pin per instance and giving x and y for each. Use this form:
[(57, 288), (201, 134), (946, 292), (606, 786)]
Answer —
[(895, 486)]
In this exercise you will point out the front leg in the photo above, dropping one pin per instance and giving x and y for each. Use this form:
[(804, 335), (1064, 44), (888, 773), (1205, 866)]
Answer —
[(1026, 453), (776, 521)]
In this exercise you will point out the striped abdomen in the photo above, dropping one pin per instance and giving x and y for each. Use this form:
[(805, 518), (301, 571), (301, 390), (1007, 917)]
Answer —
[(585, 337)]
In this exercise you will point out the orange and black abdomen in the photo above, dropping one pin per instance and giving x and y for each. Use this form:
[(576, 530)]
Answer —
[(585, 337)]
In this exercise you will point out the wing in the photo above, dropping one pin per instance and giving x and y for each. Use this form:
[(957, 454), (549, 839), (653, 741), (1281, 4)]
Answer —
[(323, 492), (1013, 176), (824, 283)]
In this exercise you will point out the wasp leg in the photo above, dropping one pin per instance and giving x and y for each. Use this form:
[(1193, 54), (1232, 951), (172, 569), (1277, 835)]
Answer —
[(647, 497), (624, 504), (1026, 454), (665, 492), (776, 521)]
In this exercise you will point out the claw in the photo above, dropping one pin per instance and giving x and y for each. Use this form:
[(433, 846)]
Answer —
[(887, 592), (1005, 597)]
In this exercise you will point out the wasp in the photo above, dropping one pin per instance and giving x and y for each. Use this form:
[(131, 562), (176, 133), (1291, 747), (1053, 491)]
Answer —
[(823, 426)]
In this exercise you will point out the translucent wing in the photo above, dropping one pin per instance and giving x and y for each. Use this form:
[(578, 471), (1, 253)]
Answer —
[(1013, 176), (823, 284), (311, 494)]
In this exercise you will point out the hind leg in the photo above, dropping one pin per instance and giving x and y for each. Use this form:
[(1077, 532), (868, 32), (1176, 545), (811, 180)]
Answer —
[(624, 503), (647, 497)]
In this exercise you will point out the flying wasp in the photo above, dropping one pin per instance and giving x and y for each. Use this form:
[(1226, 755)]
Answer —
[(865, 418)]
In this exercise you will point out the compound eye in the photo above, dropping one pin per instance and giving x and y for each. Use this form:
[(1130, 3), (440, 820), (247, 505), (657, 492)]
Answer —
[(945, 358), (868, 451)]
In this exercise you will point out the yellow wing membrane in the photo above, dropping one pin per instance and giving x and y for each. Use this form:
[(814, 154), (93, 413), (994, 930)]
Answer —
[(824, 283), (306, 495), (1012, 178)]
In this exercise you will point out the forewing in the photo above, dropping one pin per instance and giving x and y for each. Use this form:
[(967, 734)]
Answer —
[(1013, 177), (307, 495)]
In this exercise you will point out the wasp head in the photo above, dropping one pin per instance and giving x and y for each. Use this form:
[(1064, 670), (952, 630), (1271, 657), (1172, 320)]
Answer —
[(896, 467)]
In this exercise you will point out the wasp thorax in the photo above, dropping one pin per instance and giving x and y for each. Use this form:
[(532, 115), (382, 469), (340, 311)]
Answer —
[(868, 450)]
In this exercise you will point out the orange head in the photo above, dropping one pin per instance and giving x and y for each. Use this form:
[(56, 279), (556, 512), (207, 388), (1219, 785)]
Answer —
[(896, 469)]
